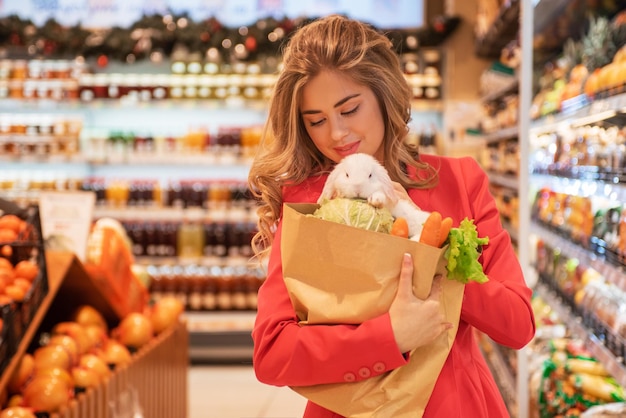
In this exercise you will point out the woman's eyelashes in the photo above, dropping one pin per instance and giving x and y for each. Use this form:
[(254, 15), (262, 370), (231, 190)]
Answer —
[(351, 111), (346, 113)]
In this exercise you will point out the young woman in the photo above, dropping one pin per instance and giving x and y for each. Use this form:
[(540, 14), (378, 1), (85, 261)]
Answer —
[(342, 91)]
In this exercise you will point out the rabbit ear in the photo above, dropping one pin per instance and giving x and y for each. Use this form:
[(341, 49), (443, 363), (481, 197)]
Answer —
[(385, 181), (329, 187)]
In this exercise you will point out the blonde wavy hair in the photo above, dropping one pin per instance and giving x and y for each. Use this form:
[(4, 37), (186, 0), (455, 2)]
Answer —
[(287, 155)]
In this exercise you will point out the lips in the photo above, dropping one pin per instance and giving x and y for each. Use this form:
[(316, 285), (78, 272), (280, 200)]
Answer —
[(347, 149)]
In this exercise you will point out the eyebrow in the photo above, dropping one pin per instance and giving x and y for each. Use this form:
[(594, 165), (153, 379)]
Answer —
[(339, 103)]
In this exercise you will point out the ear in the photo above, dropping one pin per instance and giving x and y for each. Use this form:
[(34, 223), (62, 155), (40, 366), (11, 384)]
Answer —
[(385, 182), (329, 187)]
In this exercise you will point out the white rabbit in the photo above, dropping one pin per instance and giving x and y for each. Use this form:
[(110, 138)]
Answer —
[(362, 176)]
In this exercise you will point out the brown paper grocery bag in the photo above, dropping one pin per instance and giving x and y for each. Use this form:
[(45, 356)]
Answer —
[(341, 274)]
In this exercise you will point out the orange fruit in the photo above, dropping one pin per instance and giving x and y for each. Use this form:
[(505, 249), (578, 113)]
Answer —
[(27, 269), (22, 283), (12, 222), (7, 235), (7, 275), (5, 263), (15, 292), (4, 299), (6, 251)]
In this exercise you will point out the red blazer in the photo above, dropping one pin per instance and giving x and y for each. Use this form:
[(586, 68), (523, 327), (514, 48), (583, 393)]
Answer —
[(286, 354)]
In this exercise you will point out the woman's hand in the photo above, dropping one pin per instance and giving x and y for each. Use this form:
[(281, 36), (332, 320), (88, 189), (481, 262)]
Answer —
[(416, 322)]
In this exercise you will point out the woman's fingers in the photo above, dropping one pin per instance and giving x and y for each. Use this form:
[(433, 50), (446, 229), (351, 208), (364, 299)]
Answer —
[(405, 284), (436, 288), (416, 322), (436, 292)]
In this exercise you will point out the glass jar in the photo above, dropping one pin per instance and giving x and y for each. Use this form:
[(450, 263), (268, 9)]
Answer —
[(86, 91), (190, 235), (161, 86)]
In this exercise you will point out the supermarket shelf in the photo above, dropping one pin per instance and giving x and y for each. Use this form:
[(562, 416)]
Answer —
[(611, 272), (513, 233), (220, 336), (63, 106), (594, 112), (605, 191), (502, 30), (78, 107), (502, 134), (545, 12), (223, 347), (510, 87), (509, 181), (596, 347), (174, 170), (225, 160), (504, 378)]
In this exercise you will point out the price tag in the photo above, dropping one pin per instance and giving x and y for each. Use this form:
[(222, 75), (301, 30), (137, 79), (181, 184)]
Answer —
[(66, 219)]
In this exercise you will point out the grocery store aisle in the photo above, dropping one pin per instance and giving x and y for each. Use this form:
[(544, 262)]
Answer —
[(232, 391)]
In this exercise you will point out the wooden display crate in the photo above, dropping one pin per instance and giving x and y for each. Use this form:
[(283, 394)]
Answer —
[(156, 378), (153, 385)]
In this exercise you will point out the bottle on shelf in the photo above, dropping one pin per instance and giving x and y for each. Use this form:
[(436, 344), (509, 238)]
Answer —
[(190, 242)]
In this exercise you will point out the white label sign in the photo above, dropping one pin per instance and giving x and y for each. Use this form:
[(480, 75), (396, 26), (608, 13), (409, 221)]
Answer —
[(66, 219)]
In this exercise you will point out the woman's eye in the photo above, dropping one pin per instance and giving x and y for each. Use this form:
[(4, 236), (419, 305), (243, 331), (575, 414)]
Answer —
[(351, 111), (315, 123)]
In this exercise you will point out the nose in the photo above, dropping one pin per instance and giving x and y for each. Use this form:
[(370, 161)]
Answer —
[(338, 129)]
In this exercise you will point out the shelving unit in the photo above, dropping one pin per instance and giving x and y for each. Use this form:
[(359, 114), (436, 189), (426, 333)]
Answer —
[(168, 117), (599, 350), (212, 336), (220, 336), (504, 177), (511, 87), (603, 186), (586, 113), (504, 28), (511, 132), (595, 343), (502, 373)]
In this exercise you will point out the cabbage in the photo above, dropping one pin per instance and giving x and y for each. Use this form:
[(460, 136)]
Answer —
[(355, 212)]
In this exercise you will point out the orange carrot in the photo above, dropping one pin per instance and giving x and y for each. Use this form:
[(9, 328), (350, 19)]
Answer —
[(400, 228), (431, 231), (446, 226)]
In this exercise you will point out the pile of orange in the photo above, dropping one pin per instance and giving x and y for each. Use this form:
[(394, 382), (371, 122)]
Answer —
[(15, 281), (12, 228)]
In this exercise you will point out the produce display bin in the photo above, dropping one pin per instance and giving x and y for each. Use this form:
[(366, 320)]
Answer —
[(153, 385)]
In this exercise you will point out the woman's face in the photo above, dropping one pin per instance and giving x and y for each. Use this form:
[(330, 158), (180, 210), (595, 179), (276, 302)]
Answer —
[(341, 116)]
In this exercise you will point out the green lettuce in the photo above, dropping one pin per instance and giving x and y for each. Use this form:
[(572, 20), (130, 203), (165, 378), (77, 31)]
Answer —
[(463, 252), (355, 212)]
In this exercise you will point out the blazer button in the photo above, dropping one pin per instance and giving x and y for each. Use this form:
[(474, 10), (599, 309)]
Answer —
[(364, 372), (379, 367), (349, 377)]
